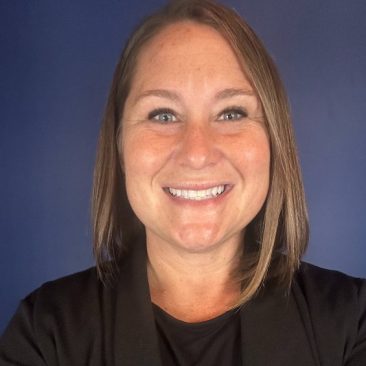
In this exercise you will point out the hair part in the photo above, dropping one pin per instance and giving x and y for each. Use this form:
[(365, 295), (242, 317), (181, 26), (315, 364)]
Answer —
[(278, 236)]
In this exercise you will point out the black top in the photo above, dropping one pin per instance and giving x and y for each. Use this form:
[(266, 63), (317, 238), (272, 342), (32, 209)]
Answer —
[(77, 321), (209, 343)]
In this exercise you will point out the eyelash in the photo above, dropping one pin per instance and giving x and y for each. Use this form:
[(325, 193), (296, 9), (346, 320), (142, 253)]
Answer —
[(233, 110), (154, 115), (161, 111)]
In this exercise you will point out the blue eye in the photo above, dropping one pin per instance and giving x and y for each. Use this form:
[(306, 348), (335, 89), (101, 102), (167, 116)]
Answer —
[(162, 115), (233, 114)]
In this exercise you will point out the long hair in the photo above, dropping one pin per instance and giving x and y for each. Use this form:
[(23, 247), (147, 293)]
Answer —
[(278, 235)]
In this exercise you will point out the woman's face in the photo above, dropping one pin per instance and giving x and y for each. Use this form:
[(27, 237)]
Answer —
[(195, 150)]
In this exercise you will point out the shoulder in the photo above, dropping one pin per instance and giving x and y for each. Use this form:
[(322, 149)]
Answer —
[(75, 286), (330, 291), (329, 284), (75, 281), (54, 314), (312, 273), (335, 306), (68, 298)]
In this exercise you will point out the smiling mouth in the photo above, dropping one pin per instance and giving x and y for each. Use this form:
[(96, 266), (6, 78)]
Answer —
[(197, 194)]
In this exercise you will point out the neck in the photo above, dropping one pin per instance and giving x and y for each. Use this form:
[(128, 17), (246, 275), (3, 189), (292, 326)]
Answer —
[(193, 286)]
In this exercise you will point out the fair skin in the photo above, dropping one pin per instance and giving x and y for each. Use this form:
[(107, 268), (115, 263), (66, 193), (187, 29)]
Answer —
[(196, 158)]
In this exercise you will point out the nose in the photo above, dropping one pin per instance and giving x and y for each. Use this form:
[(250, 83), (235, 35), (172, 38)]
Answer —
[(197, 148)]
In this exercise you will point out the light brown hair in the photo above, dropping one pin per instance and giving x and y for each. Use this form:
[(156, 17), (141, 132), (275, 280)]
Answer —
[(277, 237)]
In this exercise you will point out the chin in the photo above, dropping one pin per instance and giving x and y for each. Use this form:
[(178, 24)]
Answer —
[(198, 239)]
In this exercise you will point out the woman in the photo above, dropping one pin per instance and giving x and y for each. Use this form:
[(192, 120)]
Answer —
[(199, 219)]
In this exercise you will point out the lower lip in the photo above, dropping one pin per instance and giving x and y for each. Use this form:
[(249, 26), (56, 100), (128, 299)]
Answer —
[(204, 202)]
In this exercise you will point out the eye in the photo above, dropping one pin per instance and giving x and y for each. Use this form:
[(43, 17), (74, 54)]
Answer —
[(162, 115), (233, 114)]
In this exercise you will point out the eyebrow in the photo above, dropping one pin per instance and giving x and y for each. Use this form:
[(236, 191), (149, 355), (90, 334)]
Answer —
[(222, 94), (233, 92), (161, 93)]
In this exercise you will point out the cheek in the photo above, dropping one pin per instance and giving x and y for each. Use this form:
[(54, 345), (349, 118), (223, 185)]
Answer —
[(143, 154), (258, 159), (253, 155)]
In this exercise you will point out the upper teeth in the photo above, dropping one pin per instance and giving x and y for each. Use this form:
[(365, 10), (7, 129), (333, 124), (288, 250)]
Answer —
[(192, 194)]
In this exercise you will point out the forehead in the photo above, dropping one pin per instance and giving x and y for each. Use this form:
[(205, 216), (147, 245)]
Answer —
[(186, 47), (177, 34)]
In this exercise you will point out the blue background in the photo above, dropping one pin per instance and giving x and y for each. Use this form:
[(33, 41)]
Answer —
[(57, 60)]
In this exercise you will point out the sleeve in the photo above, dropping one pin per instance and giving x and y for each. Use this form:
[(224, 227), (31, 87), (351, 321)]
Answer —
[(18, 344), (358, 354)]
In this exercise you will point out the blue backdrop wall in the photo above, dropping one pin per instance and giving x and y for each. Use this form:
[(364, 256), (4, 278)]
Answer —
[(57, 60)]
